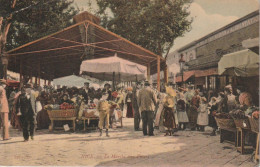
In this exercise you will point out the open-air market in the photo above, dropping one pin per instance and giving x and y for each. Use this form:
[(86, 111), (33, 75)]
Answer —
[(129, 83)]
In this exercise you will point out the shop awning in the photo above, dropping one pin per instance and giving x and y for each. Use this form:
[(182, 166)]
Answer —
[(207, 72), (186, 76), (243, 63)]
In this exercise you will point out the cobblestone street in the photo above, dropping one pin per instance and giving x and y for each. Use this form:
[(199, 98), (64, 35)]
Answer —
[(124, 147)]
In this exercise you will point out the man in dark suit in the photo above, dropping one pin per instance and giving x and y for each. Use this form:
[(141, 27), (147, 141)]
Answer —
[(26, 106), (146, 101), (137, 117), (85, 92)]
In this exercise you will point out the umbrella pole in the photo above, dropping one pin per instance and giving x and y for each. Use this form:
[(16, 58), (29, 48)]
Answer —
[(136, 78), (113, 82)]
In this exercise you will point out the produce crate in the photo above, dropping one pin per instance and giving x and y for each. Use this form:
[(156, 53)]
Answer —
[(254, 123), (242, 123), (62, 113), (224, 123)]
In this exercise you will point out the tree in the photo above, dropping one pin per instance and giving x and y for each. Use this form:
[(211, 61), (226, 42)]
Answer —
[(22, 21), (153, 24)]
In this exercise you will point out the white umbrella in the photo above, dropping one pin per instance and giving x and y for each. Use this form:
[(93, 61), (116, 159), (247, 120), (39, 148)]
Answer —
[(73, 80), (113, 68)]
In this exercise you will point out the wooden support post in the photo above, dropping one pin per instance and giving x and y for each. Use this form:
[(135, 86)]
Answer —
[(21, 71), (49, 82), (158, 73), (35, 81), (148, 72), (39, 75), (44, 82), (166, 75), (31, 77)]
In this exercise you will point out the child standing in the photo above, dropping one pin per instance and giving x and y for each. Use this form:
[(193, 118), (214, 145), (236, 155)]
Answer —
[(203, 119)]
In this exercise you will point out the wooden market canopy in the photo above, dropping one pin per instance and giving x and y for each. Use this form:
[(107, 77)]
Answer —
[(60, 54)]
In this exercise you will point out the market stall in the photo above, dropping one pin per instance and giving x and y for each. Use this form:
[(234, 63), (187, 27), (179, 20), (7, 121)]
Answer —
[(113, 69), (63, 112)]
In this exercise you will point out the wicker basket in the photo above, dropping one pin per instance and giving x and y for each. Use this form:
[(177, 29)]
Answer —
[(225, 123), (62, 113), (254, 123), (242, 123)]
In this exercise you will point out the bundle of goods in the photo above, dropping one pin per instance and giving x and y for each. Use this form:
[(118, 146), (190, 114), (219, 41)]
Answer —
[(90, 113), (254, 121), (240, 119), (113, 104), (224, 121), (114, 94), (65, 106)]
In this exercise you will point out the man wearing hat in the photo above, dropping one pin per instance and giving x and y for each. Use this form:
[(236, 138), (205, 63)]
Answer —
[(146, 102), (26, 106), (86, 91), (4, 110), (137, 118)]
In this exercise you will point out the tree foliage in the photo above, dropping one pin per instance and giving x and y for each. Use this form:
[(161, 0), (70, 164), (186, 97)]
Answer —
[(153, 24), (33, 19)]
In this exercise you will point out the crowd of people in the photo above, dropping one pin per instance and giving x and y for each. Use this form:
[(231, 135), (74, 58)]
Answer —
[(171, 109)]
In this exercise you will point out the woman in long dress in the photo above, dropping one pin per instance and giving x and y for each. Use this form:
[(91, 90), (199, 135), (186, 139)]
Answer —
[(181, 112), (168, 110), (193, 112), (129, 99)]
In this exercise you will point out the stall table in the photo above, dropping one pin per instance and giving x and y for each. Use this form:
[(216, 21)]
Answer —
[(62, 115), (254, 124), (243, 127), (88, 119), (227, 130)]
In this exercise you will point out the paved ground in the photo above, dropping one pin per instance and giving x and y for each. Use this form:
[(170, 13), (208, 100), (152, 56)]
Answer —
[(125, 147)]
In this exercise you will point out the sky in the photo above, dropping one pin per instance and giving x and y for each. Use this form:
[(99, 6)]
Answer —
[(208, 16)]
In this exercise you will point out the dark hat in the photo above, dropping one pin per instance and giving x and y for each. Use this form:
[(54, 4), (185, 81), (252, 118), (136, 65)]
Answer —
[(138, 83), (146, 83), (86, 83)]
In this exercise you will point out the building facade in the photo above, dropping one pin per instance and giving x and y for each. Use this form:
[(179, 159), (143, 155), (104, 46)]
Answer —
[(202, 56)]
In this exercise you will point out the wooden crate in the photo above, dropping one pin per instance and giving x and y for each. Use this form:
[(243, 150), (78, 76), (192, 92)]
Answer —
[(254, 124), (62, 113), (224, 123)]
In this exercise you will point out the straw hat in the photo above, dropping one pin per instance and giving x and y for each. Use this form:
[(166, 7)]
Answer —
[(170, 91)]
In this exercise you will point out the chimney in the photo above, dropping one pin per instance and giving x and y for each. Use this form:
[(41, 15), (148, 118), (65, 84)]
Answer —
[(86, 16)]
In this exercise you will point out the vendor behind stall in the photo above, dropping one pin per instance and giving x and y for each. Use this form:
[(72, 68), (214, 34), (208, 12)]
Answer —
[(65, 99)]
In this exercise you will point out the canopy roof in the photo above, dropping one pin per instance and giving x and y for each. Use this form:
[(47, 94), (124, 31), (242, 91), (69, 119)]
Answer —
[(60, 54), (243, 63)]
